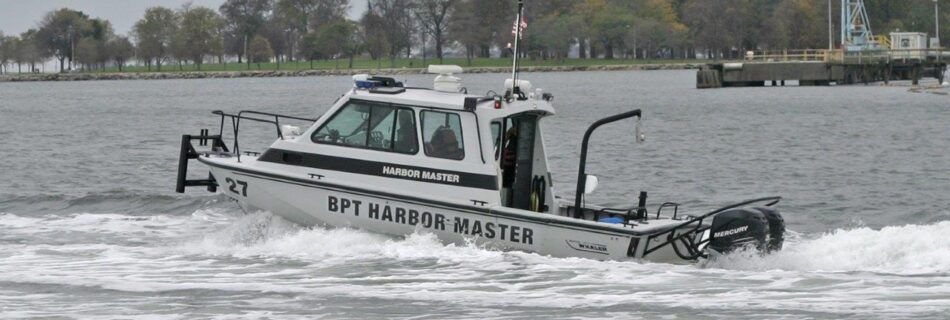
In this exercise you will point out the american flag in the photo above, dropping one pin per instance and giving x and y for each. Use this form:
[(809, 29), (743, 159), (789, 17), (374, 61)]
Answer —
[(523, 25)]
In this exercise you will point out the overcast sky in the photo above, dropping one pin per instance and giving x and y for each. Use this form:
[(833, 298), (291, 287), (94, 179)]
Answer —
[(17, 16)]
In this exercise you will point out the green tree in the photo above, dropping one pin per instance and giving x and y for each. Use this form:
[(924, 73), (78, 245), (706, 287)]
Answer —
[(710, 31), (657, 29), (481, 25), (244, 18), (395, 19), (310, 47), (87, 52), (610, 27), (199, 33), (293, 16), (100, 32), (60, 32), (798, 24), (120, 51), (259, 51), (555, 35), (178, 51), (433, 16), (484, 24), (154, 35), (551, 33), (7, 46), (373, 34), (28, 50), (279, 38), (328, 11), (339, 39), (299, 17)]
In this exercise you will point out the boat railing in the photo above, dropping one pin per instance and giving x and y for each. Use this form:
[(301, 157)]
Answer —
[(189, 152), (684, 232), (256, 116), (582, 164)]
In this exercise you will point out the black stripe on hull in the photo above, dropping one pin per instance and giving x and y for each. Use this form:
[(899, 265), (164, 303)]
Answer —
[(540, 219), (380, 169)]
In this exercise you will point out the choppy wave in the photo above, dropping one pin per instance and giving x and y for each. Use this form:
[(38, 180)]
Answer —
[(118, 200)]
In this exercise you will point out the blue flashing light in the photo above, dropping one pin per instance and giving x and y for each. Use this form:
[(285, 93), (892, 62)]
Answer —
[(366, 84), (611, 220)]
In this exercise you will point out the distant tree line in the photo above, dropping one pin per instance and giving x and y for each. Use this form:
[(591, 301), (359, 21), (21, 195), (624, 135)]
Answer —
[(259, 31)]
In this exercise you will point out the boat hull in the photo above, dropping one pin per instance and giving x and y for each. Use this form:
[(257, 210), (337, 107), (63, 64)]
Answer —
[(312, 202)]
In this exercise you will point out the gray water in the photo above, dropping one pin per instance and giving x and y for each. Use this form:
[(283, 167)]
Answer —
[(90, 227)]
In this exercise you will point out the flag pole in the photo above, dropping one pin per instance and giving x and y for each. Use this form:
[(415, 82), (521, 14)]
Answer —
[(514, 63)]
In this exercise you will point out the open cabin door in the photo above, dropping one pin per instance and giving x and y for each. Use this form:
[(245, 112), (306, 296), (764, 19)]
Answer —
[(525, 180)]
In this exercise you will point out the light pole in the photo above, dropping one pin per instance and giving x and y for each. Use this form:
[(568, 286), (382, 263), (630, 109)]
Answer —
[(831, 35), (72, 47), (937, 22)]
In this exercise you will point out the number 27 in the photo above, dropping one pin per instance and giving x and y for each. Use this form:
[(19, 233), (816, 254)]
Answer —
[(232, 185)]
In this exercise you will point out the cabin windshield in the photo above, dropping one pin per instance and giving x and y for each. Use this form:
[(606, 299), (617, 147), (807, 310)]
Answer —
[(371, 125)]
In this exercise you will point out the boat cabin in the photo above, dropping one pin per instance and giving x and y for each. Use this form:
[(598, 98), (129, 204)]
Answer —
[(440, 142)]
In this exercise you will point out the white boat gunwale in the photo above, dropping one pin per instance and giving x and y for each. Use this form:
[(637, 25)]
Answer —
[(510, 213)]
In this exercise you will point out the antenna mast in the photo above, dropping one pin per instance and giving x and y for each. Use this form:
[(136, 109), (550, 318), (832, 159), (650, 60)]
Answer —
[(514, 63)]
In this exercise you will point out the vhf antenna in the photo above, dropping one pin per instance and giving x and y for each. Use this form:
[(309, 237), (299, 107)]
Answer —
[(514, 63)]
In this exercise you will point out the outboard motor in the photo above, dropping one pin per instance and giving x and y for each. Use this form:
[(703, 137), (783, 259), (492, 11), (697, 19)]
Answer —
[(776, 228), (738, 228)]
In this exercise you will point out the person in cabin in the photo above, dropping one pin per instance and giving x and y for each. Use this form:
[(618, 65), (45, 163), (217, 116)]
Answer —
[(508, 162), (445, 144)]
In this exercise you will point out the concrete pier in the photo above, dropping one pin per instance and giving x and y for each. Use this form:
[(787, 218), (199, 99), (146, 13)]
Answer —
[(823, 71)]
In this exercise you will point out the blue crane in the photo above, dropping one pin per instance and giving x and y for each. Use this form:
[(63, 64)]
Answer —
[(856, 32)]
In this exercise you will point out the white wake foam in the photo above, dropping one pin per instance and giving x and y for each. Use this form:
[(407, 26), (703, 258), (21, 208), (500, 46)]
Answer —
[(908, 249), (223, 251), (266, 235)]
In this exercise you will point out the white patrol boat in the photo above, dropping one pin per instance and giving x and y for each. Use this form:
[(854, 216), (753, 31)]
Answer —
[(397, 160), (467, 168)]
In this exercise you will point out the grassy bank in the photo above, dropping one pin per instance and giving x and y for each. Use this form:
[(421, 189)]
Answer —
[(330, 68), (364, 63)]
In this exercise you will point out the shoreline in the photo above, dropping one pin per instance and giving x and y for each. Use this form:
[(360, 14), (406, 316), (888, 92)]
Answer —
[(44, 77)]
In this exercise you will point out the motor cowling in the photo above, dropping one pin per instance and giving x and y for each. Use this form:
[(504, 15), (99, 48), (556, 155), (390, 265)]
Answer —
[(738, 228), (776, 228)]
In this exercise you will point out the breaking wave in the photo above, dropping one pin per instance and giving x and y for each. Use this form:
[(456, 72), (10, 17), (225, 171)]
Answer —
[(263, 234), (908, 249)]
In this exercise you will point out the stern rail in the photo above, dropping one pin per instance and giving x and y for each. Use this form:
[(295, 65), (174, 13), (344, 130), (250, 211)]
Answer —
[(188, 152)]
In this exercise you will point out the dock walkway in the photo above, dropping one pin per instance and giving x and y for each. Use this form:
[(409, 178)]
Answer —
[(824, 67)]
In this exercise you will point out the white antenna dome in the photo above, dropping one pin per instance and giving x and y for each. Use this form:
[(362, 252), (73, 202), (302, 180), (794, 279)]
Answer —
[(445, 82), (445, 69)]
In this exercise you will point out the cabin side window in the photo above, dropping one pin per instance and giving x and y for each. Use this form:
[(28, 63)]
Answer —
[(442, 135), (371, 126)]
